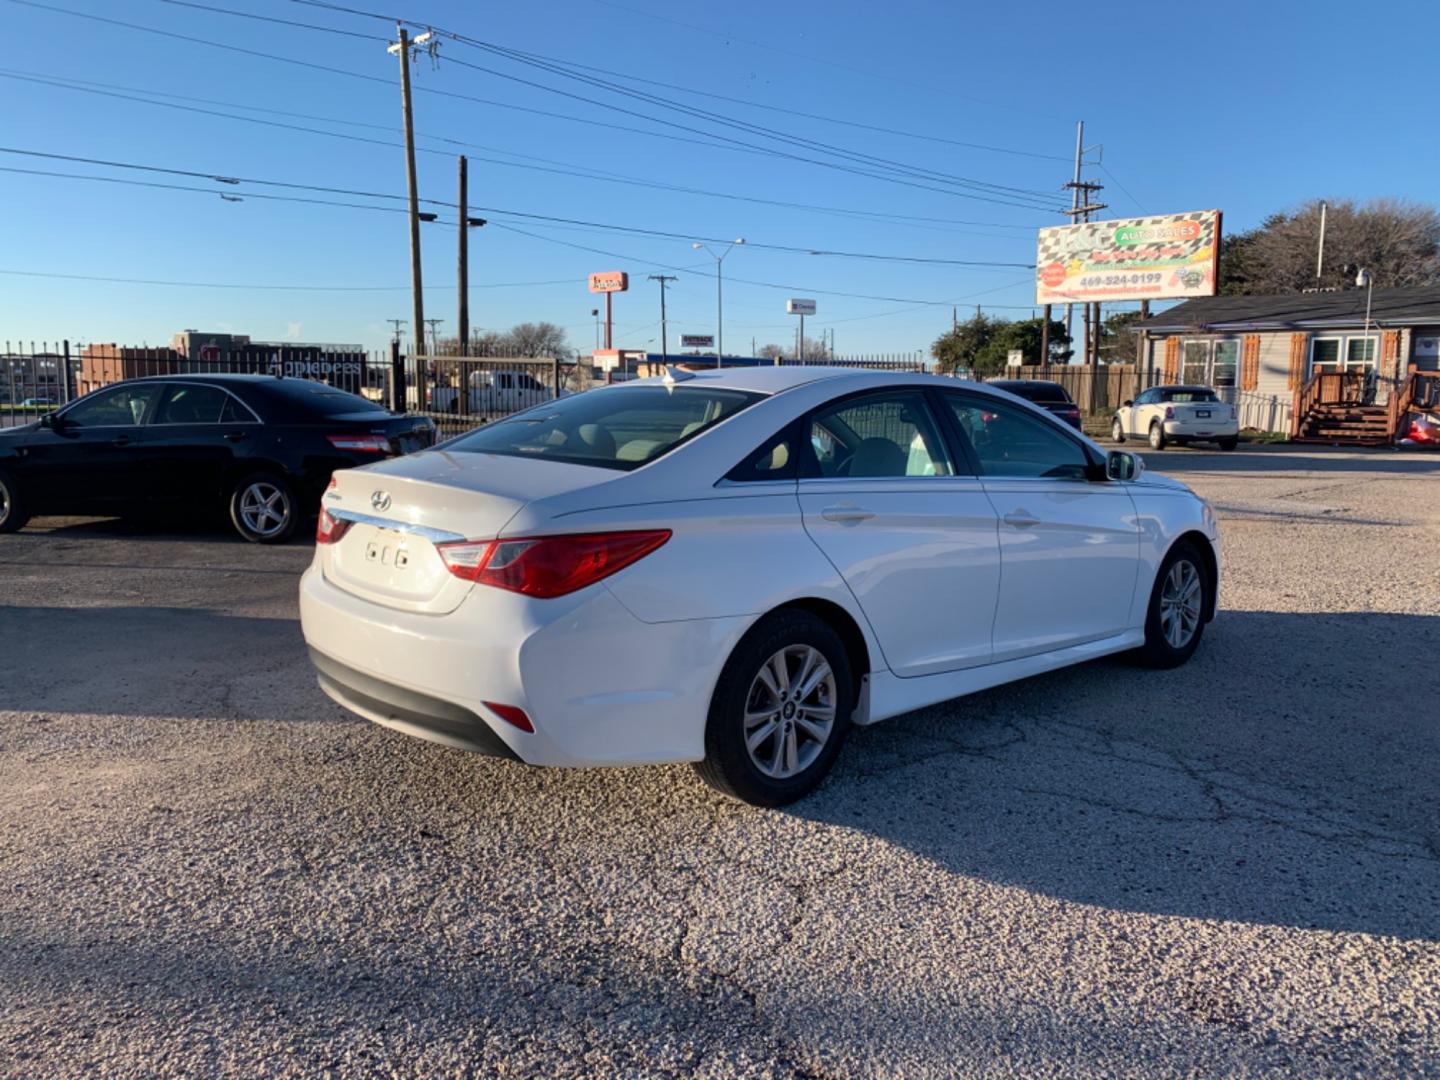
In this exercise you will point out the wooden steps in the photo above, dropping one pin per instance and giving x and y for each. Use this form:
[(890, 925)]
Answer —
[(1346, 424)]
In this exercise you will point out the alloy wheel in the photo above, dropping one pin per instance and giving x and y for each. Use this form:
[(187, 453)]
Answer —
[(1180, 604), (790, 711), (4, 502), (264, 508)]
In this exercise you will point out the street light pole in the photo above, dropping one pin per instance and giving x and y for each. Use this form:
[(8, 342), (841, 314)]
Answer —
[(719, 297)]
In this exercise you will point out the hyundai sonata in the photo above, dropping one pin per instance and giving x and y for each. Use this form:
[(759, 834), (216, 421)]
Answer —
[(732, 568)]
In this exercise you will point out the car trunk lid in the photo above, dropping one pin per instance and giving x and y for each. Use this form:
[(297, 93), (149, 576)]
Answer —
[(399, 510)]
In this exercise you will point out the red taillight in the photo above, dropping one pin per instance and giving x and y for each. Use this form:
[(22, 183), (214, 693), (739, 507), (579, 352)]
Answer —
[(329, 528), (1169, 413), (511, 715), (366, 444), (548, 566)]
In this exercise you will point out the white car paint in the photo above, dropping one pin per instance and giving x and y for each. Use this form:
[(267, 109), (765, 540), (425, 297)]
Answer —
[(1201, 421), (955, 583)]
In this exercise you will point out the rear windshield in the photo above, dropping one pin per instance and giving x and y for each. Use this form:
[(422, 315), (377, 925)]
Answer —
[(1182, 397), (621, 428), (302, 397), (1036, 391)]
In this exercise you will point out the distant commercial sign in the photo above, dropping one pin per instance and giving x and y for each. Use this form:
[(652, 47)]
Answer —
[(697, 341), (1150, 258), (608, 281), (800, 307)]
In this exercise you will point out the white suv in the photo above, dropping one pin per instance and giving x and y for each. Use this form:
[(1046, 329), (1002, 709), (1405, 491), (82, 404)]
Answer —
[(1179, 415)]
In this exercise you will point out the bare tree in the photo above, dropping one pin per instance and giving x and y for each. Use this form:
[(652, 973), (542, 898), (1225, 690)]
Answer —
[(538, 339), (1398, 242), (814, 350)]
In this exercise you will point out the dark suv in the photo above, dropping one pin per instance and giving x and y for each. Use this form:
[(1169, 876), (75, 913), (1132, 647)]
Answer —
[(260, 447), (1048, 395)]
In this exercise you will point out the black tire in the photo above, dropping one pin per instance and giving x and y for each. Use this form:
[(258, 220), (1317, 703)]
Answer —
[(729, 765), (1159, 650), (13, 514), (257, 525), (1157, 436), (1117, 433), (1229, 444)]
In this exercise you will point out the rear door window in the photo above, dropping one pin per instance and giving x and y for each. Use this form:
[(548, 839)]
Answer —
[(877, 435), (185, 403)]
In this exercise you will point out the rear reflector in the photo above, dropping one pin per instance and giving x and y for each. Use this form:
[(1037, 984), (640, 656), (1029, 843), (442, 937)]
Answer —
[(548, 566), (329, 528), (367, 444), (511, 715)]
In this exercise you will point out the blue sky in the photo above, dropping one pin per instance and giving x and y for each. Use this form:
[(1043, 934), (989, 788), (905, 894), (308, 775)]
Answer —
[(1249, 107)]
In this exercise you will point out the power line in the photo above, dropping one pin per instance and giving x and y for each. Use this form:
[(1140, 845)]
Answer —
[(630, 229), (559, 169), (279, 288), (966, 187)]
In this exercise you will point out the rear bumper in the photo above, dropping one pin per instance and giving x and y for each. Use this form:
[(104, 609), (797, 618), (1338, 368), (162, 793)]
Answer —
[(407, 710), (1201, 429), (600, 686)]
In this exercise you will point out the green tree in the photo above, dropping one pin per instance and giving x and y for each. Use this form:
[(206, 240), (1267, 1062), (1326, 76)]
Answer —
[(958, 349), (1118, 338)]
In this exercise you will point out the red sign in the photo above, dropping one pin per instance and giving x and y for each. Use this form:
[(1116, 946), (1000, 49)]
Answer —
[(1053, 275), (610, 281)]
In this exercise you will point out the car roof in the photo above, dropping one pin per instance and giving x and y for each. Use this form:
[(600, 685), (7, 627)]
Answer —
[(1185, 387), (218, 376), (775, 380)]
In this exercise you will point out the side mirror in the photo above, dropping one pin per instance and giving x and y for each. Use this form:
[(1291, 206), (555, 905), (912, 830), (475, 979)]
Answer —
[(1126, 404), (50, 420), (1122, 465)]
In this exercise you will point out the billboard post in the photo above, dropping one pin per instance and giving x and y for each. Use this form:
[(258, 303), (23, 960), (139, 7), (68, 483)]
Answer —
[(609, 282)]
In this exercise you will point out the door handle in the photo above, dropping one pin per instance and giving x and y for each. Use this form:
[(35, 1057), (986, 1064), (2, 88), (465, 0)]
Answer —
[(846, 512), (1021, 519), (121, 440), (235, 436)]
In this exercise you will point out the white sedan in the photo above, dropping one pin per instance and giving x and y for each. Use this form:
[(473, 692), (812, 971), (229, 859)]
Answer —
[(732, 568), (1179, 415)]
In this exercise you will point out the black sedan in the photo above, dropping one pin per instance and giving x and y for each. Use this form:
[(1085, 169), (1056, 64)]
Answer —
[(1048, 395), (261, 447)]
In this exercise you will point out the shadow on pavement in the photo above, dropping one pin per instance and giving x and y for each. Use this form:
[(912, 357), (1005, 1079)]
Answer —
[(1287, 776), (1280, 461)]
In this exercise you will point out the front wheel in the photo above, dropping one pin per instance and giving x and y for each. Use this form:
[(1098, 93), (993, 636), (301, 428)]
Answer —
[(1175, 620), (263, 508), (1157, 436), (1117, 431), (781, 711)]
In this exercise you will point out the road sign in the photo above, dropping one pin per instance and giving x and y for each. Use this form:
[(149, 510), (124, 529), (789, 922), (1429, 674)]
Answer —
[(1015, 358), (800, 307), (697, 341), (608, 281)]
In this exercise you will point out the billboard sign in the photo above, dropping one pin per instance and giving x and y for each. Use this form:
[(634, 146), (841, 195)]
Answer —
[(1171, 256), (800, 307), (610, 281), (697, 341)]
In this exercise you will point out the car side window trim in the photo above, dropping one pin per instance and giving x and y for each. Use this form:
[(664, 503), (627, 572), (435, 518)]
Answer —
[(953, 428), (144, 420), (809, 464), (204, 423)]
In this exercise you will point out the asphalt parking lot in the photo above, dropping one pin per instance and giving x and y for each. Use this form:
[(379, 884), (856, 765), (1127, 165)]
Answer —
[(1227, 869)]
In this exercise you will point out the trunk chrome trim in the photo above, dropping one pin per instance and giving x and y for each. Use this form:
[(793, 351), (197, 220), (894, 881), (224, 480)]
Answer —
[(435, 536)]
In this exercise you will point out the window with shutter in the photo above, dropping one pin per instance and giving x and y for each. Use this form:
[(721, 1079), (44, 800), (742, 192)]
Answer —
[(1172, 360), (1250, 363), (1298, 343)]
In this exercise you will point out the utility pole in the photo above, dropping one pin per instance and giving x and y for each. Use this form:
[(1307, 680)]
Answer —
[(463, 265), (1045, 336), (1080, 210), (664, 338), (434, 325), (403, 47), (1320, 255), (397, 324)]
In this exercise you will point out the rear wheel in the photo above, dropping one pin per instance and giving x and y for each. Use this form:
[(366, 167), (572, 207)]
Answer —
[(1175, 620), (263, 508), (1229, 444), (1117, 431), (13, 514), (1157, 436), (781, 711)]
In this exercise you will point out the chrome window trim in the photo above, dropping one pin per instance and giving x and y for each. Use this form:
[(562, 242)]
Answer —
[(207, 423), (435, 536)]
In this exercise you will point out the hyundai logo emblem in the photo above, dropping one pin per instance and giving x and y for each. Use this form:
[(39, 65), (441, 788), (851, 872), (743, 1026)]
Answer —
[(380, 500)]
